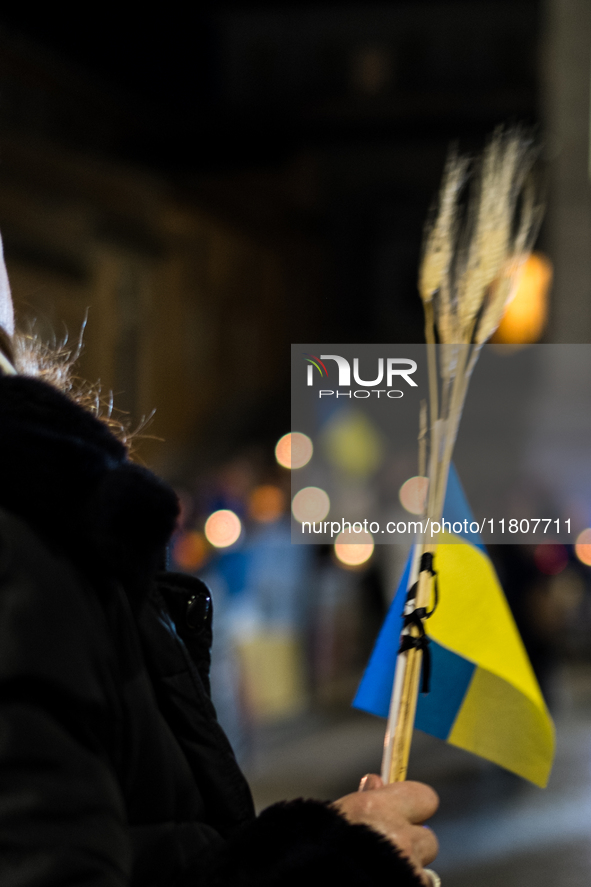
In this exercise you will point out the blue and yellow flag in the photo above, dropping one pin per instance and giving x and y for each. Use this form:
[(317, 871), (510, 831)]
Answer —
[(484, 696)]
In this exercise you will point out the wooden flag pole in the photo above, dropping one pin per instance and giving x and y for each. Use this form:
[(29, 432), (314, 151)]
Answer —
[(406, 688), (469, 271)]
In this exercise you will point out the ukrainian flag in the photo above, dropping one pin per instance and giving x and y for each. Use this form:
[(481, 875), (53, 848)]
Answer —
[(484, 696)]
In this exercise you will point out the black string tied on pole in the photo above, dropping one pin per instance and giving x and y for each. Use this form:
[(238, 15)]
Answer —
[(415, 618), (420, 642)]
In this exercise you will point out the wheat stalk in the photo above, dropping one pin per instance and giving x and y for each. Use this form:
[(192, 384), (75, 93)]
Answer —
[(472, 256)]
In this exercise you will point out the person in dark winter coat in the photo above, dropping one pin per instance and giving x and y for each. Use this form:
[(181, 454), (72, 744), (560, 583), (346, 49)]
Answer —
[(114, 771)]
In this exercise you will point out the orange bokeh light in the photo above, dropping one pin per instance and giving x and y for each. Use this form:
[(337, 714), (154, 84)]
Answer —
[(413, 494), (353, 549), (310, 504), (222, 528), (267, 503), (583, 547), (190, 550), (294, 450), (526, 314)]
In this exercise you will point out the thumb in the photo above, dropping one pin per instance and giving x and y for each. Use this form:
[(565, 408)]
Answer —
[(370, 782)]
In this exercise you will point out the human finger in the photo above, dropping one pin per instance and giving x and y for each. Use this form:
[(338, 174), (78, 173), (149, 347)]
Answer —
[(424, 844), (370, 781), (415, 800)]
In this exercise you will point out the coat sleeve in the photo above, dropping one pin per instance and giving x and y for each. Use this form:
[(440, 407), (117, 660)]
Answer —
[(307, 842), (62, 816), (289, 843)]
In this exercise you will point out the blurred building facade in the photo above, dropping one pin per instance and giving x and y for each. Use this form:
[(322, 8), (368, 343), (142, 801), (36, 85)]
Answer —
[(189, 313)]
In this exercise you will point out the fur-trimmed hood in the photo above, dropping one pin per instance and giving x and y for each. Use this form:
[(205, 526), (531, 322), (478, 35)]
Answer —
[(71, 480)]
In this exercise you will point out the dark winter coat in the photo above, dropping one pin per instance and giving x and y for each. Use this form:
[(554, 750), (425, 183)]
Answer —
[(113, 768)]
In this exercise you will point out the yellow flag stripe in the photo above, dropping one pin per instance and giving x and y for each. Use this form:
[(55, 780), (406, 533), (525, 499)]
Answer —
[(499, 723), (473, 618)]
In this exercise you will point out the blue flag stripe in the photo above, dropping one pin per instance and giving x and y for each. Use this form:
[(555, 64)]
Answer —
[(375, 688), (457, 511), (450, 678)]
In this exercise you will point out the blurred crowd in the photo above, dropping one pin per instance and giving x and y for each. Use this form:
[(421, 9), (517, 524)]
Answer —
[(294, 625)]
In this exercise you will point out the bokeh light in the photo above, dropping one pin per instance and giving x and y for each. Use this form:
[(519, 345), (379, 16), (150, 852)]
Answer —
[(310, 504), (551, 559), (413, 494), (583, 547), (294, 450), (190, 550), (525, 316), (222, 528), (266, 503), (353, 549), (353, 443)]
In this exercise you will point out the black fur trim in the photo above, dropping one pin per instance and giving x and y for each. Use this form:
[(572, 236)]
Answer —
[(290, 841)]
